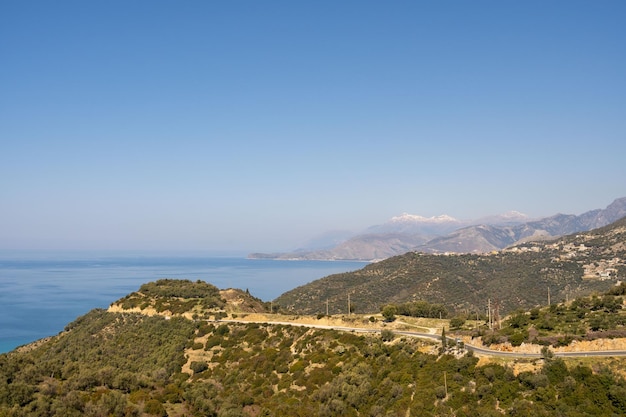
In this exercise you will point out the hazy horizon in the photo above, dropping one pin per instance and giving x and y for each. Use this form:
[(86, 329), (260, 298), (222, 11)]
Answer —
[(236, 127)]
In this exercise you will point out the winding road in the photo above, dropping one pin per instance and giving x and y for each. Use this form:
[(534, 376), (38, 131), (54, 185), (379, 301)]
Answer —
[(476, 349)]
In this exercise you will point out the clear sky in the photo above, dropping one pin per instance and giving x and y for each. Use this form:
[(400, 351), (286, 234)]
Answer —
[(256, 125)]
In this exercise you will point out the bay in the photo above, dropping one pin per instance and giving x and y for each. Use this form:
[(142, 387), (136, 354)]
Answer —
[(42, 292)]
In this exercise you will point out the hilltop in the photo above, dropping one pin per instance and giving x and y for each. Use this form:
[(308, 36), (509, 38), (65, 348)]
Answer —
[(518, 277), (192, 300)]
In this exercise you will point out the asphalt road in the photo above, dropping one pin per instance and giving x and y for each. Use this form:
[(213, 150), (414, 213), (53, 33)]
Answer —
[(476, 349)]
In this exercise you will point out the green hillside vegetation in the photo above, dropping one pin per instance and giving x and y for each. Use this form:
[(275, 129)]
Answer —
[(98, 366), (414, 309), (128, 364), (585, 318), (515, 278), (175, 296), (197, 299)]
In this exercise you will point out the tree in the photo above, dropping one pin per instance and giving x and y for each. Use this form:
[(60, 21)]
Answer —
[(389, 312), (546, 353), (457, 322)]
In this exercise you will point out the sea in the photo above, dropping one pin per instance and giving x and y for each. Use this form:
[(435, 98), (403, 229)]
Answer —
[(41, 292)]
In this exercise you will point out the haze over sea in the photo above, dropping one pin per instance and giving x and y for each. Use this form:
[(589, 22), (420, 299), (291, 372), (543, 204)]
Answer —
[(41, 292)]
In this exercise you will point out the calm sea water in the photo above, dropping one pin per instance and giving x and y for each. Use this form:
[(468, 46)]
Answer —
[(40, 294)]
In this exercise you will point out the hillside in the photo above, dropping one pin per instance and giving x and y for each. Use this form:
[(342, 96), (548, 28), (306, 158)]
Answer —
[(518, 277), (576, 322), (126, 363)]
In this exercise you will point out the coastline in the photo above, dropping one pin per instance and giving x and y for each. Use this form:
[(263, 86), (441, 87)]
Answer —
[(43, 291)]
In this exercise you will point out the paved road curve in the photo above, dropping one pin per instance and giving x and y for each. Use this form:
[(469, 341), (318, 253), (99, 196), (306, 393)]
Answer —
[(476, 349)]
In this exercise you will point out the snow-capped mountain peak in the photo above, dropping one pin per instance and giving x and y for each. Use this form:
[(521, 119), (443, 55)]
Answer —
[(414, 224), (414, 218), (513, 214)]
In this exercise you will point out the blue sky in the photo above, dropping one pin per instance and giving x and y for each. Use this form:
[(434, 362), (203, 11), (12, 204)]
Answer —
[(248, 125)]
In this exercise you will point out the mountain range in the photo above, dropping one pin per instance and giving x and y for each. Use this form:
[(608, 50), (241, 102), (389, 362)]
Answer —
[(445, 234)]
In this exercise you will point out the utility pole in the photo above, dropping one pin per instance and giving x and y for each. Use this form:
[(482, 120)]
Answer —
[(496, 315), (327, 307), (489, 313), (348, 304), (548, 295)]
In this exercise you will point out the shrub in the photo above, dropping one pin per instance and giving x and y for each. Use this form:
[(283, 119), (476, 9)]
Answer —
[(222, 330), (440, 392), (205, 329), (212, 342), (198, 366), (154, 407), (518, 338), (387, 335)]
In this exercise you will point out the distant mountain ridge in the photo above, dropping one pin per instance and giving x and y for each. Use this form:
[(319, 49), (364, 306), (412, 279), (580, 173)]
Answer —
[(441, 234), (486, 238)]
